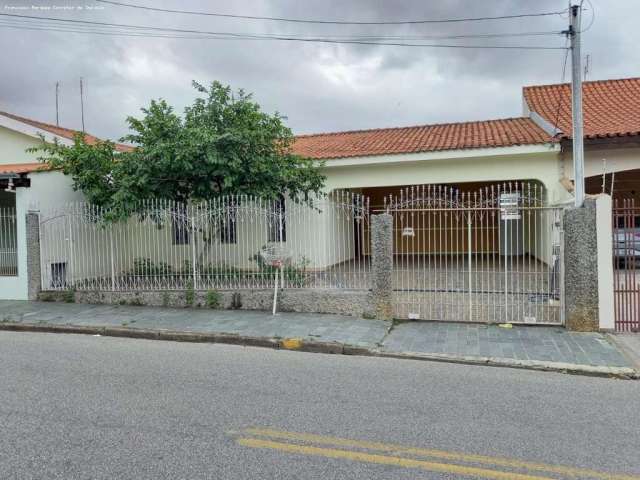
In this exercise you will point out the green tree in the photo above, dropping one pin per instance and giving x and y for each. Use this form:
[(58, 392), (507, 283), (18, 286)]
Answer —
[(89, 166), (223, 144)]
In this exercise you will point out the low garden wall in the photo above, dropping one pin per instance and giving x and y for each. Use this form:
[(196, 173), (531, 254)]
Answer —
[(342, 302)]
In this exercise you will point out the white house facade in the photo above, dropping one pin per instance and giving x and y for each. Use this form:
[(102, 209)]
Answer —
[(462, 167)]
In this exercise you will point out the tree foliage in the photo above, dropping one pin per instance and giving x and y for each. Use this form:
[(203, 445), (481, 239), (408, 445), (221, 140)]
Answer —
[(89, 166), (223, 144)]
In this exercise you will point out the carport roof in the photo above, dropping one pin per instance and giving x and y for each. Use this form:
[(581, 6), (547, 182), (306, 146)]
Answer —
[(505, 132)]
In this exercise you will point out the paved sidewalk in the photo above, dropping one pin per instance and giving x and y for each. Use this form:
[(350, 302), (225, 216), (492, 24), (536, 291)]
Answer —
[(548, 348), (525, 343), (307, 326)]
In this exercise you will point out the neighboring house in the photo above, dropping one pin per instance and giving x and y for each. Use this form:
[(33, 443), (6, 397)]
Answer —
[(24, 182), (611, 132)]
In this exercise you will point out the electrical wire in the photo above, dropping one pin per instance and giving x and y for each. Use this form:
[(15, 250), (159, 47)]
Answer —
[(564, 71), (593, 16), (51, 26), (253, 36), (330, 22)]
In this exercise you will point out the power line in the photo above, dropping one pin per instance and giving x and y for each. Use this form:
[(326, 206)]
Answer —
[(51, 26), (593, 16), (561, 86), (281, 37), (330, 22)]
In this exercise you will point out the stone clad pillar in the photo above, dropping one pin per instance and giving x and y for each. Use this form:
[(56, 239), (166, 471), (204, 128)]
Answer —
[(382, 265), (34, 281), (588, 266)]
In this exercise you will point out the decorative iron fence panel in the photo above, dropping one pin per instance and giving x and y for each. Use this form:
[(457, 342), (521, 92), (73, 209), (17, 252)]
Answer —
[(492, 255), (216, 244), (8, 242), (626, 271)]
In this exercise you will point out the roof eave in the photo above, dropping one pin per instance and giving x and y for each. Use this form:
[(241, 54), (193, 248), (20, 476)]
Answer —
[(31, 131), (451, 154)]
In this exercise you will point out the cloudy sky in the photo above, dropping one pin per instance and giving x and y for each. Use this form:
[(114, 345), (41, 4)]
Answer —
[(319, 87)]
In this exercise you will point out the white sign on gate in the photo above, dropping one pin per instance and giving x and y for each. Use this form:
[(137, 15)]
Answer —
[(509, 206)]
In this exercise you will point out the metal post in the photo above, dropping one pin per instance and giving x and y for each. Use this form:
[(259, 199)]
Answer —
[(469, 258), (506, 269), (193, 246), (576, 104), (113, 266), (275, 293), (280, 231)]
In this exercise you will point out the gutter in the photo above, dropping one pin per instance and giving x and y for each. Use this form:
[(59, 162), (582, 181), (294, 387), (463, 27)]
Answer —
[(544, 124)]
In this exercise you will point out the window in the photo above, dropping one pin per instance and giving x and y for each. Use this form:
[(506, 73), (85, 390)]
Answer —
[(228, 225), (277, 223), (59, 275), (180, 226)]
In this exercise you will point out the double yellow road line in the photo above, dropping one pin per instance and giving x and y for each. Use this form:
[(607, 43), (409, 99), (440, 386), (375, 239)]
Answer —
[(441, 461)]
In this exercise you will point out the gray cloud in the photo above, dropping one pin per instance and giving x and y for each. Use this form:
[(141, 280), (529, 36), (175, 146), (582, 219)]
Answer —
[(319, 87)]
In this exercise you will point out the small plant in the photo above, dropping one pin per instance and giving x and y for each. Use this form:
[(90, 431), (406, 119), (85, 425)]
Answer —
[(69, 296), (213, 299), (145, 267), (122, 301), (189, 294)]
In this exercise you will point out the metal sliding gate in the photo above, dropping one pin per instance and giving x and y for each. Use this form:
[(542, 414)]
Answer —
[(490, 255), (626, 271)]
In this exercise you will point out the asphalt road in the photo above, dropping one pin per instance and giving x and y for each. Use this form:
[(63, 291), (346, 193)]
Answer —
[(82, 407)]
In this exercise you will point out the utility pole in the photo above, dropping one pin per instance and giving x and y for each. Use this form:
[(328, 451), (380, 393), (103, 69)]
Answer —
[(575, 13), (57, 111), (81, 104)]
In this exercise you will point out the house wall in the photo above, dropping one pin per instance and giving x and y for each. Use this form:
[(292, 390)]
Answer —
[(47, 188), (13, 145), (16, 288), (377, 176), (597, 161), (543, 165), (621, 167)]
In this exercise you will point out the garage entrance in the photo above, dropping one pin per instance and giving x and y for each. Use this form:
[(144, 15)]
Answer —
[(491, 254), (626, 269)]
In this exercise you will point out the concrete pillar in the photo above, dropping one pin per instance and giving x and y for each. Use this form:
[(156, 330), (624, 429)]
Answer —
[(588, 265), (34, 281), (382, 265)]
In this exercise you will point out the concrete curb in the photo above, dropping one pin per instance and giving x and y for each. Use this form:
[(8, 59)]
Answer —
[(314, 346), (624, 373), (632, 356)]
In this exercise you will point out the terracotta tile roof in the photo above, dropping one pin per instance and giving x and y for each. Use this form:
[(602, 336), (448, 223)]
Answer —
[(611, 108), (21, 167), (63, 132), (426, 138)]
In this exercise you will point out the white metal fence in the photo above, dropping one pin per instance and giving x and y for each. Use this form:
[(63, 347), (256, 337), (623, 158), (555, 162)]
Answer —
[(8, 242), (490, 255), (216, 244)]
